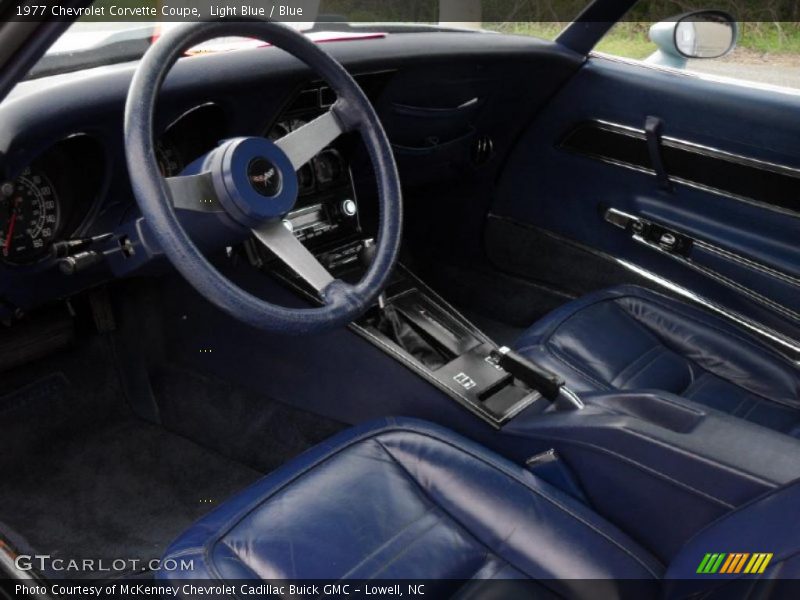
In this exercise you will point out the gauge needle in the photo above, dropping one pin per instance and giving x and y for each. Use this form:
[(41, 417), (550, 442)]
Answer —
[(10, 232)]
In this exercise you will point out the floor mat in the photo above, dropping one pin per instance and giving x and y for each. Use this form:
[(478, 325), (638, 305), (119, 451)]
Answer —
[(123, 489), (244, 426)]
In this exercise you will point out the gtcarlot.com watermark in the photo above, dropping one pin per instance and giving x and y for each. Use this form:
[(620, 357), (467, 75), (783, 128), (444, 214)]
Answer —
[(48, 564)]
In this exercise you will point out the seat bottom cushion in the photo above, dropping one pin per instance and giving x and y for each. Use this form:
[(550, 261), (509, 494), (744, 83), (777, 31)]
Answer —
[(628, 338), (403, 499)]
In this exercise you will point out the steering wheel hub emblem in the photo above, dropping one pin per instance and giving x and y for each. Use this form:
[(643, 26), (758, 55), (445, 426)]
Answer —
[(264, 177), (248, 171)]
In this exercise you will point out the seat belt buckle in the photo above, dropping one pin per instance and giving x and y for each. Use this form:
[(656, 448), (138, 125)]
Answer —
[(549, 466)]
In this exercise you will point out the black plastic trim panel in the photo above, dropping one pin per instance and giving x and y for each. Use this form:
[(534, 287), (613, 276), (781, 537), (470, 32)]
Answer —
[(768, 184)]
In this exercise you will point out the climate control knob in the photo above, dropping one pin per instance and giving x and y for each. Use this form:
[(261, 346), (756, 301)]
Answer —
[(349, 208)]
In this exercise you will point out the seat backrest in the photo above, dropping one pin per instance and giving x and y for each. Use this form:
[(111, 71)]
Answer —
[(754, 545)]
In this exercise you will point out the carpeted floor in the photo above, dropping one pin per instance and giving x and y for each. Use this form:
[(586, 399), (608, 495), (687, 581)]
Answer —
[(239, 424), (82, 477), (120, 489)]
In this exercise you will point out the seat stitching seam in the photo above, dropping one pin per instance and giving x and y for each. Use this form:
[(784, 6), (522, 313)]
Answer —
[(742, 402), (566, 360), (640, 325), (428, 497), (706, 378), (698, 384), (432, 508), (658, 350), (753, 406)]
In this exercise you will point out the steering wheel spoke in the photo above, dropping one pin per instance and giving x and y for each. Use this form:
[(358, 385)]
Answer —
[(294, 254), (303, 144), (194, 192)]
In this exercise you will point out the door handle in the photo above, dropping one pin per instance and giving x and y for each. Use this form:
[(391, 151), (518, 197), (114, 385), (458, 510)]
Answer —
[(650, 233), (653, 127)]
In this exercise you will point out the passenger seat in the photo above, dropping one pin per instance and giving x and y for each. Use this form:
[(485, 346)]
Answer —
[(627, 338)]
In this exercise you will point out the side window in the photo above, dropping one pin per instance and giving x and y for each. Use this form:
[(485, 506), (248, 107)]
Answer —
[(712, 42)]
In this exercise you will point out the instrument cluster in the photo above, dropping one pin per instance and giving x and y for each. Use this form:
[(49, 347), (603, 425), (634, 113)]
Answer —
[(50, 199), (54, 198), (190, 136)]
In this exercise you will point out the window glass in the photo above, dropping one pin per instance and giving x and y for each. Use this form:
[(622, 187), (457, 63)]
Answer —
[(546, 30)]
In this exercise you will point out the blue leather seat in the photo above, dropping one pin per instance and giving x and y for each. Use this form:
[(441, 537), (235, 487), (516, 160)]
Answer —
[(406, 499), (628, 338)]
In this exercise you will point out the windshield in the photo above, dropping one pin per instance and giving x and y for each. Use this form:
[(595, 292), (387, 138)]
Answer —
[(112, 31)]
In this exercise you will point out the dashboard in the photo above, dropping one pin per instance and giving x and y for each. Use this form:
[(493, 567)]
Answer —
[(68, 219)]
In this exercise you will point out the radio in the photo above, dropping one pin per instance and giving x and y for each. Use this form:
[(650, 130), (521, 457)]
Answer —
[(319, 220)]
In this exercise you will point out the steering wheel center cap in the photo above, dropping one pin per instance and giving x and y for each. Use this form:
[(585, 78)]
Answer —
[(254, 180), (264, 177)]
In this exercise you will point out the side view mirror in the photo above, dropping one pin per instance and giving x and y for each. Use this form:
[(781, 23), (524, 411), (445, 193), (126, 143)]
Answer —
[(698, 34)]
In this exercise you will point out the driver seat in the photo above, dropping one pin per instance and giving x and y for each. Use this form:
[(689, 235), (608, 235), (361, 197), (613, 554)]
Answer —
[(405, 499)]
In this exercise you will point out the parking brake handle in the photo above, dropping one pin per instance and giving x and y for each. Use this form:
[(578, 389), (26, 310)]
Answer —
[(547, 383)]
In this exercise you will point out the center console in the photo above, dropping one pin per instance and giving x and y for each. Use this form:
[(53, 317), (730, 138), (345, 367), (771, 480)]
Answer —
[(431, 338), (418, 328), (410, 322)]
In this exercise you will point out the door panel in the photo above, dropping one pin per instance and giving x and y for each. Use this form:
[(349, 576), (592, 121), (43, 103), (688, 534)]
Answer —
[(732, 153)]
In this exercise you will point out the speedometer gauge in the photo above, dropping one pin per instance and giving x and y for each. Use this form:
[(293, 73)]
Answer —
[(30, 217)]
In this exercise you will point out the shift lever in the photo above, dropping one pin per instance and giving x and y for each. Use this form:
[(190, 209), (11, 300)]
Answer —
[(398, 327), (365, 256)]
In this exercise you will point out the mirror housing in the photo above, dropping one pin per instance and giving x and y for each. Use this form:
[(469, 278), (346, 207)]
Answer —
[(697, 34)]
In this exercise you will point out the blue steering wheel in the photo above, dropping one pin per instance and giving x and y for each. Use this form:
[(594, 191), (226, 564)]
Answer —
[(247, 185)]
